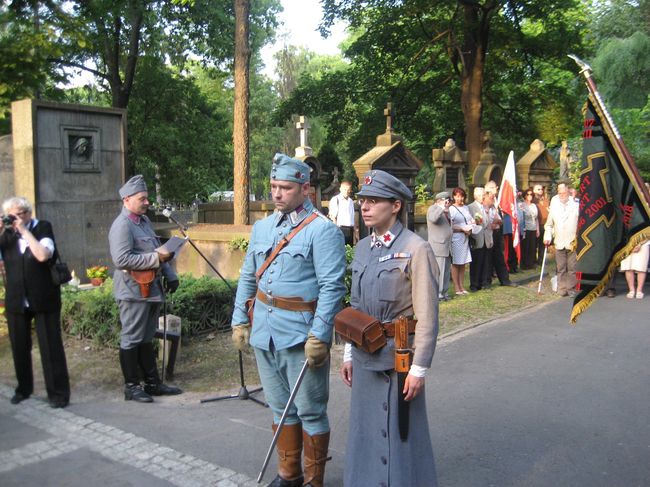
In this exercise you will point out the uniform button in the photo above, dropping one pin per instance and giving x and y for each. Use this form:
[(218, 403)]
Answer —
[(385, 406), (275, 263), (386, 379), (270, 291), (279, 232), (270, 310), (271, 271), (382, 484), (284, 225), (383, 433), (269, 281), (383, 460)]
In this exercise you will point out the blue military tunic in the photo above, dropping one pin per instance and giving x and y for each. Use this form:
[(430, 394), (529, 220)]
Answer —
[(392, 274), (311, 266)]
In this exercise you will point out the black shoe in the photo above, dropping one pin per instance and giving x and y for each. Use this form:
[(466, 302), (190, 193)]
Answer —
[(162, 390), (58, 403), (509, 284), (134, 392), (611, 293), (280, 482), (18, 398)]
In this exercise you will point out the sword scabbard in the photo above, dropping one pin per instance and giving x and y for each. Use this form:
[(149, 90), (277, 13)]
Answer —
[(402, 351)]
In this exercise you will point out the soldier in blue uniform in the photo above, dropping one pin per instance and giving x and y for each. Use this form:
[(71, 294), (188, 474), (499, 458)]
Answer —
[(297, 297), (394, 272), (135, 247)]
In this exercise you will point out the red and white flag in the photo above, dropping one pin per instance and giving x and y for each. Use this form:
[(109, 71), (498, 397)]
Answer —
[(508, 201)]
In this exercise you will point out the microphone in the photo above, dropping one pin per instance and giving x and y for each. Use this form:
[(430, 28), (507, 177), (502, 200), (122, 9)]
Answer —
[(167, 213)]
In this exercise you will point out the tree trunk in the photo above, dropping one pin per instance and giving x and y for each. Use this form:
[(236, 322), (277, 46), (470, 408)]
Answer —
[(240, 123), (477, 26)]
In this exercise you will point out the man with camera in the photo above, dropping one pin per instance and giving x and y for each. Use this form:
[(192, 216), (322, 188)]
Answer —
[(439, 235), (27, 247)]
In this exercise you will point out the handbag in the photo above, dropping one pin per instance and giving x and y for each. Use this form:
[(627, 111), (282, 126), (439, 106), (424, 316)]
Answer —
[(59, 271), (363, 330)]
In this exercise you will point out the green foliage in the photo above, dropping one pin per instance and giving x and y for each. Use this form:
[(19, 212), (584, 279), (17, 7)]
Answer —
[(422, 193), (240, 243), (173, 125), (91, 314), (190, 299), (634, 126), (349, 256)]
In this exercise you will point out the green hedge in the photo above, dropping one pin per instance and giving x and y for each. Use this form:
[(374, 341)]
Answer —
[(91, 314), (203, 304)]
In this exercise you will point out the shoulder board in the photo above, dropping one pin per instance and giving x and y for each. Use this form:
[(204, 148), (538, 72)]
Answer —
[(396, 255)]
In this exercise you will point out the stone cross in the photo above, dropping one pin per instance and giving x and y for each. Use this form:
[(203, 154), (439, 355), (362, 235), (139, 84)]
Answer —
[(304, 127), (389, 113)]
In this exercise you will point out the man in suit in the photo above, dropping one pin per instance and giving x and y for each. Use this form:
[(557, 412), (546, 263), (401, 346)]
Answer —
[(439, 235), (134, 248), (480, 242), (496, 261), (26, 246)]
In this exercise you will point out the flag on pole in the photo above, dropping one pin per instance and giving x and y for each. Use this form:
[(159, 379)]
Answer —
[(614, 214), (508, 200)]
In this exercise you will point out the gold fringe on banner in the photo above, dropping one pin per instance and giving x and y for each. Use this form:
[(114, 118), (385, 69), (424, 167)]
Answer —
[(638, 238)]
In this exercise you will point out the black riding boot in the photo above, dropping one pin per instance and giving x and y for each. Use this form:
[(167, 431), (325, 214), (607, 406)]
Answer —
[(132, 389), (152, 383)]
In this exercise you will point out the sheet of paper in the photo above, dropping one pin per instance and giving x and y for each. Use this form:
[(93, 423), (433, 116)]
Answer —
[(173, 244)]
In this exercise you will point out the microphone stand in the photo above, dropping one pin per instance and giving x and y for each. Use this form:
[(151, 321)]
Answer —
[(243, 393)]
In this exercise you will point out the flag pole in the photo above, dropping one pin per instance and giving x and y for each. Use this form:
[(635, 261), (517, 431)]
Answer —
[(585, 71)]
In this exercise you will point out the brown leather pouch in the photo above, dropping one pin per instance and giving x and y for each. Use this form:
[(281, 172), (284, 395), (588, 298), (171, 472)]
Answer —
[(361, 329), (144, 280)]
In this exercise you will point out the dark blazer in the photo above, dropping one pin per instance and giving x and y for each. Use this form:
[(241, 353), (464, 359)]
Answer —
[(26, 276)]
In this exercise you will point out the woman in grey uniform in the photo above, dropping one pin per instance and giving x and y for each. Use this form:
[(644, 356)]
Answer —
[(393, 273)]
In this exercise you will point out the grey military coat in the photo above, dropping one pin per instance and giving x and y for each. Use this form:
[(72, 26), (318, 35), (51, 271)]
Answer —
[(133, 244)]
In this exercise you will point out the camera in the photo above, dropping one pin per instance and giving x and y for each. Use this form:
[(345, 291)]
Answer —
[(8, 221)]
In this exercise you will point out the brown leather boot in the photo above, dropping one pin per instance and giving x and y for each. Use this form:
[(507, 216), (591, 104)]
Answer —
[(289, 448), (315, 458)]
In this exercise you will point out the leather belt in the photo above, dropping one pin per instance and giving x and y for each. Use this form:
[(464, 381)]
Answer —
[(290, 304), (389, 328)]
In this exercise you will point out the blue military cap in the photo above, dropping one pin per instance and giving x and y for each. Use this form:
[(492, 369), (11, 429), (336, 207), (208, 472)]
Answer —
[(286, 168), (134, 185), (443, 195), (383, 185)]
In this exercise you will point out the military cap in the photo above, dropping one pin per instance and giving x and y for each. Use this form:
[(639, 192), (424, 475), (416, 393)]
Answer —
[(134, 185), (443, 195), (380, 184), (286, 168)]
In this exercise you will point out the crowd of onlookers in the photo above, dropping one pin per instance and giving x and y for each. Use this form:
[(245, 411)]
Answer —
[(481, 235)]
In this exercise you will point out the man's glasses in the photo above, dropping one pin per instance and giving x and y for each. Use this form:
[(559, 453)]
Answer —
[(373, 201)]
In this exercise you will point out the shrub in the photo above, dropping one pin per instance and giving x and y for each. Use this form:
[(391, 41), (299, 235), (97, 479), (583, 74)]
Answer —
[(91, 314), (204, 304)]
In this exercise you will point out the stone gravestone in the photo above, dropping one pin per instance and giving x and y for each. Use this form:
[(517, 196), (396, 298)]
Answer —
[(69, 161), (6, 168), (450, 164), (488, 169), (535, 167), (305, 153), (391, 155)]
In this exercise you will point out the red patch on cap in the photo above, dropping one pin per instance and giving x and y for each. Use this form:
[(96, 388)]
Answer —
[(367, 180), (298, 175)]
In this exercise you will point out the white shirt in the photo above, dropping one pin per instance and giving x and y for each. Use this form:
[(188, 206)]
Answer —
[(341, 211), (562, 223)]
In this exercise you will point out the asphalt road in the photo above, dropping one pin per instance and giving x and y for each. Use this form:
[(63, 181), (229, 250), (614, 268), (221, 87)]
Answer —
[(525, 401)]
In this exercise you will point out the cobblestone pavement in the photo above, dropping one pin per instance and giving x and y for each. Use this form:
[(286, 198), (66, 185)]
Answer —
[(66, 435)]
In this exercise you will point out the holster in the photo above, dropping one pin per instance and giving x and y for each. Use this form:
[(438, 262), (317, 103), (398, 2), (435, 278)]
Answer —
[(250, 307), (144, 280), (361, 329)]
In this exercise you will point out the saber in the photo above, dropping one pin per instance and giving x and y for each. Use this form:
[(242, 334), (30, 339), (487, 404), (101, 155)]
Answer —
[(164, 336), (292, 396), (541, 274)]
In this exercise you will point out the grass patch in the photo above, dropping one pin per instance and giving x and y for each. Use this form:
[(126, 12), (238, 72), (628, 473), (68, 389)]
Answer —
[(208, 365)]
